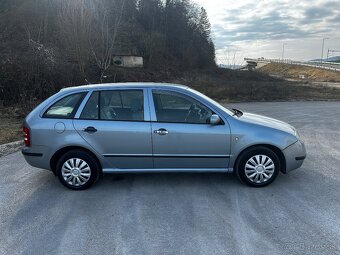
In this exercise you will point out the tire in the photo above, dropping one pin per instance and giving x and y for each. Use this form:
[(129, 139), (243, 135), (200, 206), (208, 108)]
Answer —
[(256, 162), (77, 170)]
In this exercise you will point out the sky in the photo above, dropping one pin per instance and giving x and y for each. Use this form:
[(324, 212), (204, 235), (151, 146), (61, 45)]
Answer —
[(248, 28)]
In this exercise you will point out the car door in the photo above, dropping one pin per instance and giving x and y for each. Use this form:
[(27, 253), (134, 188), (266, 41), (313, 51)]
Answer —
[(182, 137), (116, 124)]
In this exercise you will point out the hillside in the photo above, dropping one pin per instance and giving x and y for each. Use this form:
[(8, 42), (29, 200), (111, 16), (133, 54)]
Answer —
[(48, 45), (329, 59), (45, 45), (295, 71)]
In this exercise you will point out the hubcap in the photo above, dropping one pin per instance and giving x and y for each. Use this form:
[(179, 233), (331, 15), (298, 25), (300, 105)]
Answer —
[(259, 168), (76, 172)]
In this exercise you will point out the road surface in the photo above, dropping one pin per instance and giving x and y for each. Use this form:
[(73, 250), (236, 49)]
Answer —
[(191, 213)]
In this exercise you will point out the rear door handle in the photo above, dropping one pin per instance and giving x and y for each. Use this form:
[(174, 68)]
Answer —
[(90, 130), (161, 131)]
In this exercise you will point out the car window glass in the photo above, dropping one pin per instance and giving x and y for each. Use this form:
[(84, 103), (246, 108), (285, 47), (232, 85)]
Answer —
[(122, 105), (66, 107), (172, 107), (90, 110), (115, 99)]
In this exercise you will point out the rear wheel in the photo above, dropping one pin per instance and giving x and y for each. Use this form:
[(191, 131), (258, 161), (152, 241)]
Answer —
[(77, 170), (258, 166)]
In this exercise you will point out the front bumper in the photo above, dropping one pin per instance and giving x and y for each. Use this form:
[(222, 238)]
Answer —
[(294, 155)]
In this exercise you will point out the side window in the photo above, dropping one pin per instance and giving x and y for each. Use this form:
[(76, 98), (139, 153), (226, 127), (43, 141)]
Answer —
[(173, 107), (117, 105), (91, 109), (66, 107)]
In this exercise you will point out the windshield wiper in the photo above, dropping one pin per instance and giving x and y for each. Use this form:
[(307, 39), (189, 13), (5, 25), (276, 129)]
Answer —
[(237, 112)]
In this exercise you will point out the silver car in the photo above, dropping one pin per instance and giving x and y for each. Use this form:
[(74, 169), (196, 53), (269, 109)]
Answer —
[(82, 132)]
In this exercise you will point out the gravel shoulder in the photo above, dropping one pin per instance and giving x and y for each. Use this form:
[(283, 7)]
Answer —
[(9, 148)]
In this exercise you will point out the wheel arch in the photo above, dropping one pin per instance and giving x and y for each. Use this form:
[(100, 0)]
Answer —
[(56, 156), (275, 149)]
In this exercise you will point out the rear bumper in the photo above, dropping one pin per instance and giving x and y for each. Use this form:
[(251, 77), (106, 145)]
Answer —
[(37, 156), (294, 154), (31, 154)]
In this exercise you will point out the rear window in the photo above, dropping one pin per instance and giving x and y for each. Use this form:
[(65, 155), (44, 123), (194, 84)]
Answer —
[(66, 107)]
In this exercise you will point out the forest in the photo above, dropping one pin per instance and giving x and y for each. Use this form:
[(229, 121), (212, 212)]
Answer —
[(49, 44)]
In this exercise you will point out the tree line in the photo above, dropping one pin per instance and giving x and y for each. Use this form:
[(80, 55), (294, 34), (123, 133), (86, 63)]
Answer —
[(48, 44)]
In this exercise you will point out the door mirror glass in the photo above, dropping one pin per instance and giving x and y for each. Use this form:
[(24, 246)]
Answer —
[(215, 119)]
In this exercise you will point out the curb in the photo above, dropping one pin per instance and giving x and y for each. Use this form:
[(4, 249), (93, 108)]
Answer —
[(9, 148)]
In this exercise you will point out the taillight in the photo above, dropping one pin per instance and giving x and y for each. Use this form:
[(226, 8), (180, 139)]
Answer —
[(27, 138)]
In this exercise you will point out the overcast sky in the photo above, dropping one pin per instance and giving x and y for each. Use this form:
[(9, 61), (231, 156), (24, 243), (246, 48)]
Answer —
[(248, 28)]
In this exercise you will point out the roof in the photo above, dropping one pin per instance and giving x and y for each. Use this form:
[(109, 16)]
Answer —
[(126, 85)]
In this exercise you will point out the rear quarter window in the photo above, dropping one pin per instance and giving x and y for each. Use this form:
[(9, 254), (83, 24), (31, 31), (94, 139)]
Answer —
[(66, 107)]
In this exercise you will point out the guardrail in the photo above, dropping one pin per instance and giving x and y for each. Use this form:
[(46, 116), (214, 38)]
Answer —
[(323, 65)]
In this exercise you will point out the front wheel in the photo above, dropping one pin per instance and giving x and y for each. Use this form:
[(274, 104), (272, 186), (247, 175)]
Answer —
[(77, 170), (258, 166)]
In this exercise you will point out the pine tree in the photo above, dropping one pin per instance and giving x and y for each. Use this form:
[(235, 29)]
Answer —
[(204, 24)]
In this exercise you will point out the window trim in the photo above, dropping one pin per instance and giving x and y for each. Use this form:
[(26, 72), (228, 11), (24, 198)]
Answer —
[(146, 106), (74, 111), (172, 92)]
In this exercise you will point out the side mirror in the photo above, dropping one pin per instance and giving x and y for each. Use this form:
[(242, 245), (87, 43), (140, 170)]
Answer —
[(214, 119)]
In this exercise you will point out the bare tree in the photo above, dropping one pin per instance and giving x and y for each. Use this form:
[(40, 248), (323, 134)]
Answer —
[(75, 27), (106, 22), (91, 29)]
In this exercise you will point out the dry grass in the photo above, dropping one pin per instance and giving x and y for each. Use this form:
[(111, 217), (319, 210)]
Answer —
[(251, 86), (10, 125), (269, 92), (293, 71)]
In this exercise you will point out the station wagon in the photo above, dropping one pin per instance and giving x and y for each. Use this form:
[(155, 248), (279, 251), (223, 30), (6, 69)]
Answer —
[(82, 132)]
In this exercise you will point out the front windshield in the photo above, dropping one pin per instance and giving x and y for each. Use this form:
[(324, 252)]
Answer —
[(213, 102)]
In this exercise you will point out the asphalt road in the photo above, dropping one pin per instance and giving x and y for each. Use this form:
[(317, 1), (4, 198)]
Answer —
[(182, 213)]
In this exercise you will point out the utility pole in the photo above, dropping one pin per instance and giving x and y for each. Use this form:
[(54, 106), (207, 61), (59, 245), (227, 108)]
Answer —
[(323, 44), (283, 51), (327, 55)]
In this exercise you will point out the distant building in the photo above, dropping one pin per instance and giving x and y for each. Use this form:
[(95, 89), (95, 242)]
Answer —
[(128, 60), (251, 65)]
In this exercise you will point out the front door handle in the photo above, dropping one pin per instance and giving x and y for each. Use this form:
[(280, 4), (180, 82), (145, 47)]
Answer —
[(90, 130), (161, 131)]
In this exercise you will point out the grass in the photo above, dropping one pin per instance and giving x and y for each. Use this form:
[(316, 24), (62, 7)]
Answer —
[(294, 71), (231, 85), (251, 86), (10, 125)]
